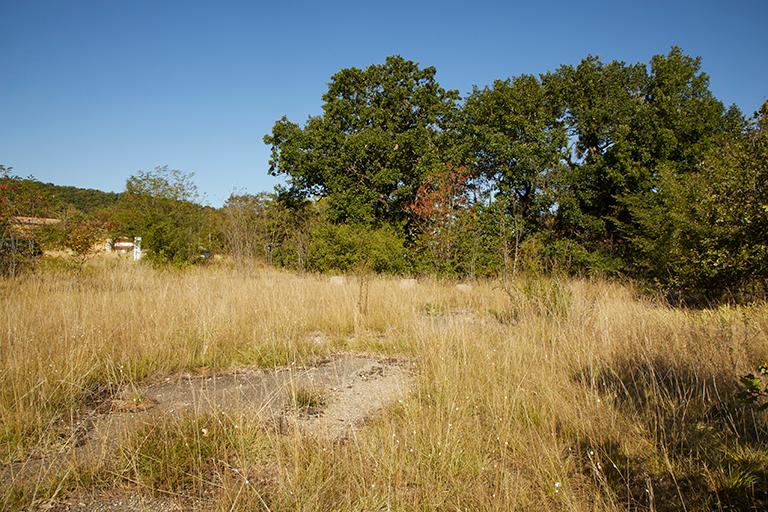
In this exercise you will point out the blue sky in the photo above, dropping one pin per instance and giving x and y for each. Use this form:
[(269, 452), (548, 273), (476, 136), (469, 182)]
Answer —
[(93, 91)]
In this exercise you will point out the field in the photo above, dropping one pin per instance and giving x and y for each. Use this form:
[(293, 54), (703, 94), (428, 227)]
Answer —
[(546, 394)]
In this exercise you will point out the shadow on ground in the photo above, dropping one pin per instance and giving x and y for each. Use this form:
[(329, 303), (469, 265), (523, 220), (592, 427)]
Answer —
[(704, 449)]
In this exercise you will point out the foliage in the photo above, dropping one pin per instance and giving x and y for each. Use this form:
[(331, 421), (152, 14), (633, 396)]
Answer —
[(268, 227), (84, 236), (380, 132), (754, 389), (564, 255), (512, 138), (18, 249), (17, 254), (50, 200), (703, 233), (609, 168), (159, 206), (442, 216), (347, 248), (626, 123), (53, 200), (163, 183)]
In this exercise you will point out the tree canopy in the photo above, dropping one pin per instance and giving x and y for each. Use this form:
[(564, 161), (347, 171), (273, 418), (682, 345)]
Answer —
[(608, 164), (381, 131)]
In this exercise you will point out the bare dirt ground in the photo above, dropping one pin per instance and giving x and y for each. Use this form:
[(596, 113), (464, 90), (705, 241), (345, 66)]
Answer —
[(353, 387)]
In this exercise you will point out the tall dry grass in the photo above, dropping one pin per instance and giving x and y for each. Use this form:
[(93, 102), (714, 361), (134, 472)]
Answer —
[(565, 395)]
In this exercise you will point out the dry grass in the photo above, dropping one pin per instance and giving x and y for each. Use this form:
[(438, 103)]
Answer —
[(568, 396)]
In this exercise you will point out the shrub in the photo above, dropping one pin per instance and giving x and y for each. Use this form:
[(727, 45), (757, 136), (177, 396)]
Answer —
[(17, 254), (346, 248), (573, 258)]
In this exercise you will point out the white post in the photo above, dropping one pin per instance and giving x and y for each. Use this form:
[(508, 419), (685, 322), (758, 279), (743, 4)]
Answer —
[(136, 248)]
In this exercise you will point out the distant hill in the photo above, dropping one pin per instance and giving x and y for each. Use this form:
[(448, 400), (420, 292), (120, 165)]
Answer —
[(49, 199)]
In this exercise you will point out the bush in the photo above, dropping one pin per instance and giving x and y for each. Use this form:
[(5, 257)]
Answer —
[(573, 258), (17, 254), (346, 248), (540, 255), (167, 244)]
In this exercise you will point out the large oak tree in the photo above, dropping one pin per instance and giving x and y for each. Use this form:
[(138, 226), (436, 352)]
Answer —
[(382, 130)]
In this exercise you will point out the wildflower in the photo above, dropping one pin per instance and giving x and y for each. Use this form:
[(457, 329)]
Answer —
[(205, 432), (558, 485)]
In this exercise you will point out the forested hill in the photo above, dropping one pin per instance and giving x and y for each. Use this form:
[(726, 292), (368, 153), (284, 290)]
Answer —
[(49, 199)]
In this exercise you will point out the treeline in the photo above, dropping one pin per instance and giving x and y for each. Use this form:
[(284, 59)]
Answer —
[(609, 168), (599, 168), (54, 200), (162, 206)]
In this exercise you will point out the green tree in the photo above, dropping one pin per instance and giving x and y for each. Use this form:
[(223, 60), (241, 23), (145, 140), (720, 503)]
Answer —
[(628, 125), (355, 248), (601, 105), (512, 138), (703, 235), (18, 248), (358, 249), (266, 227), (83, 235), (163, 183), (160, 206), (381, 130)]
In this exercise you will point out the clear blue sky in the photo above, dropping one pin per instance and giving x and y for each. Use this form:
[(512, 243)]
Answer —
[(91, 92)]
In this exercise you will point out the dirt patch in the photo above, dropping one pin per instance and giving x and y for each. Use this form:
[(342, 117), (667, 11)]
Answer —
[(119, 501), (357, 389), (354, 388)]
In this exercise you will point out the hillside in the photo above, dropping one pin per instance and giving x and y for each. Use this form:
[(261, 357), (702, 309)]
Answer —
[(50, 200)]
